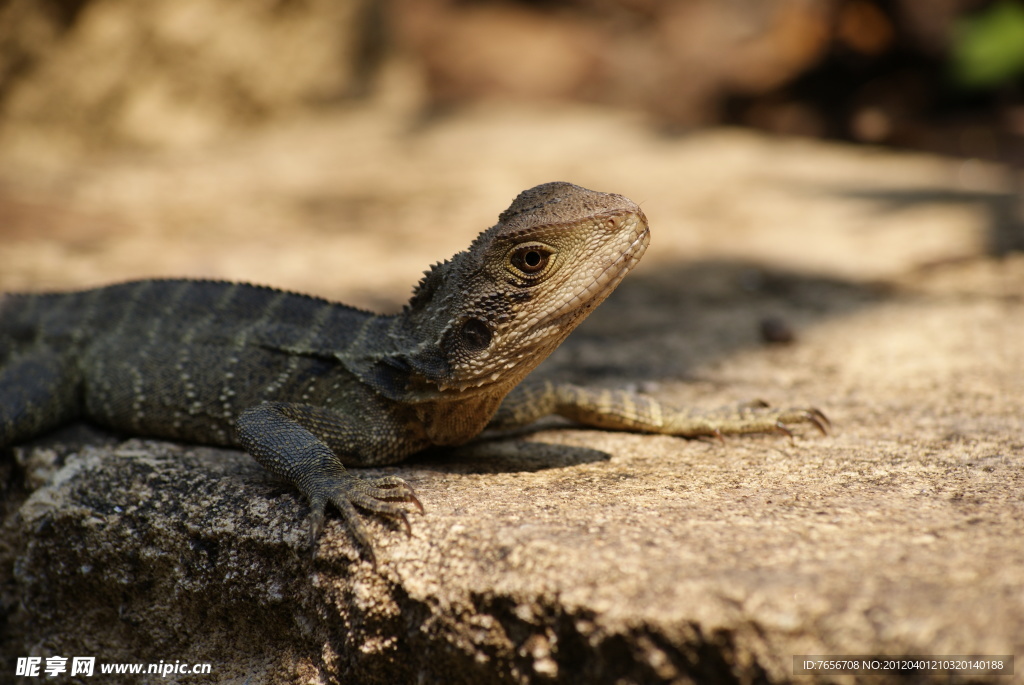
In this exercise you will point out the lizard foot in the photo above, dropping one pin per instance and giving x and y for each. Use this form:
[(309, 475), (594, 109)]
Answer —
[(277, 436), (383, 496), (752, 417)]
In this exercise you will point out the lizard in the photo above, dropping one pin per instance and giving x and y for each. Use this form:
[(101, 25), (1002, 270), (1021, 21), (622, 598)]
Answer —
[(309, 387)]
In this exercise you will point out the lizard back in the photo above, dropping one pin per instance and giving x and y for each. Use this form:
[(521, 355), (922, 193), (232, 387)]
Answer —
[(179, 358)]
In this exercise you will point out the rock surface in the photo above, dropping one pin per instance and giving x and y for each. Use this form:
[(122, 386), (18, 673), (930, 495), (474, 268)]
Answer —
[(564, 555)]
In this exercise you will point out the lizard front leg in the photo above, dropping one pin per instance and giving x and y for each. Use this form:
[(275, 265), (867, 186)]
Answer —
[(626, 411), (303, 444)]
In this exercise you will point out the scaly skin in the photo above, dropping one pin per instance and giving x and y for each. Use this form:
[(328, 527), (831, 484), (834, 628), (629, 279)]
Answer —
[(309, 386)]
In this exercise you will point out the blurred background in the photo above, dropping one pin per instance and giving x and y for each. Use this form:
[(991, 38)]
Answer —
[(224, 132), (941, 75)]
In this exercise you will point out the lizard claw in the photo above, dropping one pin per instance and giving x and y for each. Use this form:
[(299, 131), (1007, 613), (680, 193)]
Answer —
[(406, 495), (754, 404), (818, 419), (316, 523), (811, 415), (383, 496), (780, 427), (413, 499), (783, 418)]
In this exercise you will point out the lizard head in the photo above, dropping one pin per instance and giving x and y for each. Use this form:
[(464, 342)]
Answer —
[(487, 317)]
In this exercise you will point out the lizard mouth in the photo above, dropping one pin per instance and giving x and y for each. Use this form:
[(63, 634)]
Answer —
[(605, 282)]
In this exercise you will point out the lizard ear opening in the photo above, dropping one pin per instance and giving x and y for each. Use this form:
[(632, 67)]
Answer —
[(475, 335)]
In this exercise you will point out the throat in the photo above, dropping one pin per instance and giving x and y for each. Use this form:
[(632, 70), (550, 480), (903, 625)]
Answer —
[(454, 422)]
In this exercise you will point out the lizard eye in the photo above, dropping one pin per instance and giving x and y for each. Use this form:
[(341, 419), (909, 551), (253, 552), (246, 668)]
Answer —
[(530, 259), (475, 335)]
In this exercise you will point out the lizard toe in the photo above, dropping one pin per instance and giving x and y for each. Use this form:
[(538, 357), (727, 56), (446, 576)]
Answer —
[(810, 415), (753, 417), (394, 489), (355, 525), (365, 499), (349, 494)]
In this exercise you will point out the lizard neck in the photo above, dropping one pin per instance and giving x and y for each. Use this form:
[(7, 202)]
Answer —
[(406, 367), (454, 422), (403, 364)]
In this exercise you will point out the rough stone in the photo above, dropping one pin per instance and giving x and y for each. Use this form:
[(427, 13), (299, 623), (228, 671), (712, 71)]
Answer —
[(565, 555)]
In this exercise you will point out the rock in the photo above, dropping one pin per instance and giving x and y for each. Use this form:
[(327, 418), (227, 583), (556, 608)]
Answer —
[(712, 563), (566, 555)]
